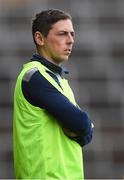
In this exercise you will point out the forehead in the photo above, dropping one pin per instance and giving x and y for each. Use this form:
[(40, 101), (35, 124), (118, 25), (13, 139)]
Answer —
[(63, 25)]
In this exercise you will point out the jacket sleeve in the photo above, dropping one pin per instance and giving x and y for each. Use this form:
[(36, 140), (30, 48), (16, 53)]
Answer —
[(39, 92)]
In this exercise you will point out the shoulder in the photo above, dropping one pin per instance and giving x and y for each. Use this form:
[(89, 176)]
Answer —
[(29, 74)]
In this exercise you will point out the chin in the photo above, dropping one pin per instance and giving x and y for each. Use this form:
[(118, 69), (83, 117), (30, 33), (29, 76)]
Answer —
[(61, 59), (65, 58)]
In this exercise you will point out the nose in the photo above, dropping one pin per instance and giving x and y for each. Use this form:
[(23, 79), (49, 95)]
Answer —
[(70, 38)]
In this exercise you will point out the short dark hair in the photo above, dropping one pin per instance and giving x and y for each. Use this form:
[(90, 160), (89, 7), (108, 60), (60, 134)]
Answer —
[(44, 20)]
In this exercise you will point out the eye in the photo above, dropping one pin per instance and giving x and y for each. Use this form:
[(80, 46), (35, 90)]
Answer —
[(73, 34), (62, 33)]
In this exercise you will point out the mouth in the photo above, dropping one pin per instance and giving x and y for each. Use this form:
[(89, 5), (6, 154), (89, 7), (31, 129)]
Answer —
[(68, 51)]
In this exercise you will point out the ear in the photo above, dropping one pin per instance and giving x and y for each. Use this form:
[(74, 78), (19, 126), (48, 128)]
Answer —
[(39, 38)]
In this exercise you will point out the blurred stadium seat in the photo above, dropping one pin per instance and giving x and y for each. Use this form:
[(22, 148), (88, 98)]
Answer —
[(96, 75)]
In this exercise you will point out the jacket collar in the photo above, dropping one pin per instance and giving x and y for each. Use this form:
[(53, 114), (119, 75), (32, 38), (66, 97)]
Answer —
[(54, 68)]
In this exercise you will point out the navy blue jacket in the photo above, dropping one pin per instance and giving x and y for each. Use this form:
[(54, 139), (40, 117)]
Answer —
[(39, 92)]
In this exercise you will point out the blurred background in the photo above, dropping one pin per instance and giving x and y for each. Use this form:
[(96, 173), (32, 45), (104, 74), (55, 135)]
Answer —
[(96, 75)]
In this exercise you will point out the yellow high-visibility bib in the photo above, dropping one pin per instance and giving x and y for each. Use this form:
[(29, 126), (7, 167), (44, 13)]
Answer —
[(41, 149)]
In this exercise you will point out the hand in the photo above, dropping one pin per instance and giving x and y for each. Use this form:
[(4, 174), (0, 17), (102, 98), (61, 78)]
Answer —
[(69, 133), (85, 139), (82, 139)]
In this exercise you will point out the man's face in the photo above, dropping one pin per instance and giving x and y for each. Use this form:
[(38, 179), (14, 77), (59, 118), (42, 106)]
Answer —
[(59, 41)]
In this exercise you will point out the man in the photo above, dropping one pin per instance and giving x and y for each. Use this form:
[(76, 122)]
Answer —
[(50, 129)]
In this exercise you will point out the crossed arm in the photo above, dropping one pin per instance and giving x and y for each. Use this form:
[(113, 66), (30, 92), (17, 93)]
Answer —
[(75, 122)]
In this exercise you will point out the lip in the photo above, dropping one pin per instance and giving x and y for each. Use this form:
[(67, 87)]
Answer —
[(68, 50)]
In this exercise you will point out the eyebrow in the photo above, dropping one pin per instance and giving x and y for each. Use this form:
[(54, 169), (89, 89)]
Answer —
[(64, 31)]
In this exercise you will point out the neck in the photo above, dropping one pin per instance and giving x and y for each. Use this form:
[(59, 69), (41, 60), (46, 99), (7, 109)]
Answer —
[(43, 54)]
